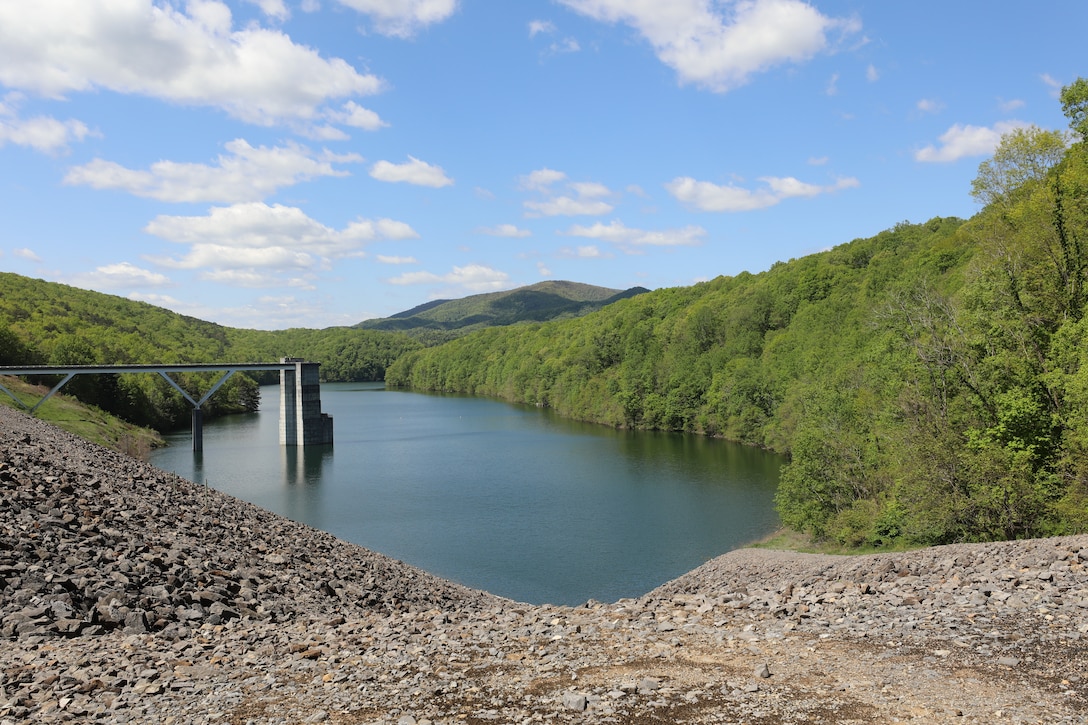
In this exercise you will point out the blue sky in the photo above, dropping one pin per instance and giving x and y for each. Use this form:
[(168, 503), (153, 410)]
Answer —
[(308, 163)]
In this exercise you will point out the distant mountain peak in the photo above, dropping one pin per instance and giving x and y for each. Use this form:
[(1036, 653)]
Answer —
[(440, 320)]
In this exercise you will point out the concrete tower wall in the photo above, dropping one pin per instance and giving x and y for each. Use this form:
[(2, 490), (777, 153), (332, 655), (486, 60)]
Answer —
[(301, 421)]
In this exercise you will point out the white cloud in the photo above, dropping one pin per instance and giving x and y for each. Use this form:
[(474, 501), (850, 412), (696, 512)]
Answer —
[(818, 160), (1052, 83), (566, 206), (832, 88), (590, 189), (540, 26), (252, 278), (41, 133), (872, 74), (150, 48), (707, 196), (268, 312), (122, 275), (472, 277), (27, 254), (541, 179), (249, 239), (403, 18), (590, 251), (356, 116), (275, 9), (1009, 105), (245, 173), (386, 259), (506, 230), (961, 141), (588, 193), (543, 269), (617, 233), (721, 45), (415, 172), (566, 45), (929, 105)]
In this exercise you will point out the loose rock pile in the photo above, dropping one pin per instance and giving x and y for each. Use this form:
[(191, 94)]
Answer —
[(129, 595)]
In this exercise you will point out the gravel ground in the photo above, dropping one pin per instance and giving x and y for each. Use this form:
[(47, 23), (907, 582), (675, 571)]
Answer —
[(128, 595)]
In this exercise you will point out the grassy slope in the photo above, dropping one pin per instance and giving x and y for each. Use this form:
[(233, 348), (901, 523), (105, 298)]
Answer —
[(85, 421)]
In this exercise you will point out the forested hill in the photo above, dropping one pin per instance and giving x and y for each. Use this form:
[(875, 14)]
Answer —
[(49, 323), (929, 383), (442, 320)]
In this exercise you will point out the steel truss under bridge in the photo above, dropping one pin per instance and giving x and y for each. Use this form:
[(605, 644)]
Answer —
[(71, 371)]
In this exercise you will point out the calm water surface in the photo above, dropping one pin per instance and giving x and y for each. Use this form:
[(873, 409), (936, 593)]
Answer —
[(510, 499)]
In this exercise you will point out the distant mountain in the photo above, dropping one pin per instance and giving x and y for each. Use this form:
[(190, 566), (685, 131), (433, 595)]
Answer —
[(442, 320)]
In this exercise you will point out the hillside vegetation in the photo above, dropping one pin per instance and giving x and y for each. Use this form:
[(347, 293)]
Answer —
[(44, 323), (442, 320), (930, 384)]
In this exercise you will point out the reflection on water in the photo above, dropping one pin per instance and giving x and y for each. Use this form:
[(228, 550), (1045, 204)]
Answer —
[(513, 500), (304, 464)]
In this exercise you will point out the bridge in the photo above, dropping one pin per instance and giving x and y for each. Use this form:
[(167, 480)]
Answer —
[(301, 421)]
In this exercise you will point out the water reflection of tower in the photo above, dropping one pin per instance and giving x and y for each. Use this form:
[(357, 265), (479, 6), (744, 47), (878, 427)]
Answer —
[(303, 467)]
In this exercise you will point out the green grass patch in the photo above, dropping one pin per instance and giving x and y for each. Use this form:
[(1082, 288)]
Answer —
[(82, 420)]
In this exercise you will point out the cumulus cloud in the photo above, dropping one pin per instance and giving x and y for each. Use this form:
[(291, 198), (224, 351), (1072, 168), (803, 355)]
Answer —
[(707, 196), (589, 251), (566, 45), (832, 88), (471, 277), (42, 133), (872, 74), (929, 105), (123, 275), (540, 26), (961, 141), (354, 115), (590, 189), (386, 259), (244, 173), (1010, 105), (403, 18), (415, 172), (541, 179), (616, 232), (27, 254), (566, 206), (275, 9), (150, 48), (268, 312), (506, 230), (255, 241), (720, 45), (586, 202)]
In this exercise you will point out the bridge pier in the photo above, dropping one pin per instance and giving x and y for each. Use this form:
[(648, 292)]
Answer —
[(198, 430), (301, 421)]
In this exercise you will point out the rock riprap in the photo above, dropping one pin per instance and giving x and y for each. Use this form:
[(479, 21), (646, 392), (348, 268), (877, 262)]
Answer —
[(130, 595)]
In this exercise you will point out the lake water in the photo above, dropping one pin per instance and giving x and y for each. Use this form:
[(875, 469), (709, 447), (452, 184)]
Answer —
[(511, 499)]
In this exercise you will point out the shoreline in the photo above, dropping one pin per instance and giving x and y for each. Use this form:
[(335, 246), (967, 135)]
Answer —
[(130, 595)]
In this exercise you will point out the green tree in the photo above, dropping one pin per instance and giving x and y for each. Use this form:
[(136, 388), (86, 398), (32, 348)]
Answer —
[(1074, 98), (1023, 156)]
